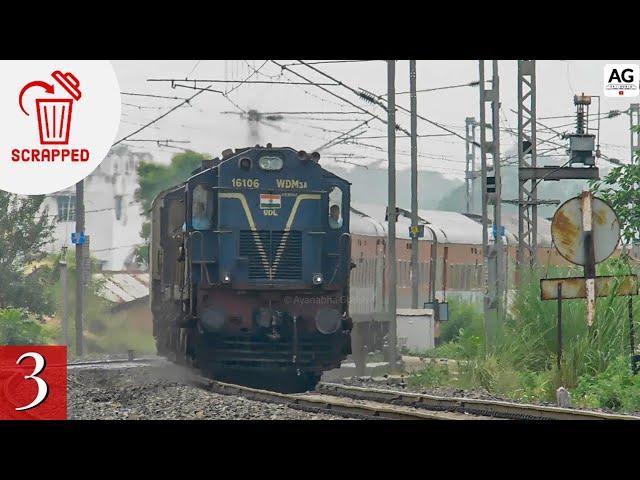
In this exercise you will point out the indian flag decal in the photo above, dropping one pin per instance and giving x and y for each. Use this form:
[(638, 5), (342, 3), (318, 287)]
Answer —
[(269, 200)]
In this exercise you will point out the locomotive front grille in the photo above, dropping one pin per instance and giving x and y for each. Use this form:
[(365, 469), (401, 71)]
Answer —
[(272, 254)]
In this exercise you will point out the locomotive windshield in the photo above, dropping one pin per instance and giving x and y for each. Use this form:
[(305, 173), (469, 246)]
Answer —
[(335, 208), (202, 208)]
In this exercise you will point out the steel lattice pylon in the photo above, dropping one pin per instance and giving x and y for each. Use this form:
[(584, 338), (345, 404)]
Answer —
[(527, 158)]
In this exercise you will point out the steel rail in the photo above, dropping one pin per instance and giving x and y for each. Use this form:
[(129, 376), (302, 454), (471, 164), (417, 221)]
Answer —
[(491, 408), (330, 404)]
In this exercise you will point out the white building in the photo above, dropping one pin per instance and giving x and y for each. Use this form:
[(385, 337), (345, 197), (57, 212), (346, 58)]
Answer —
[(113, 217)]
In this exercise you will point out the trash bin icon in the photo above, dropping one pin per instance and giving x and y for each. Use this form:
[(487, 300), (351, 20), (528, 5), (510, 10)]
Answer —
[(54, 114), (54, 120)]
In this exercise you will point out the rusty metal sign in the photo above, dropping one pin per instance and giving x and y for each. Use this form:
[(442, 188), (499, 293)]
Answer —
[(576, 287), (569, 230)]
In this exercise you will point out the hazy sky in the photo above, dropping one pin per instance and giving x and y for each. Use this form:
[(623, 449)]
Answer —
[(210, 131)]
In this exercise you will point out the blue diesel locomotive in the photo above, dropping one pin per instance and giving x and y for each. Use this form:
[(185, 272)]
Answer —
[(250, 262)]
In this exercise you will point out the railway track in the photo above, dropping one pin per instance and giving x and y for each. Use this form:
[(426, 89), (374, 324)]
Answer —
[(333, 404), (375, 403), (470, 406), (119, 363)]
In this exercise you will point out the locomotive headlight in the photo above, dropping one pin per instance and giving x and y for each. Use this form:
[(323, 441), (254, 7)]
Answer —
[(270, 163), (226, 277), (317, 278)]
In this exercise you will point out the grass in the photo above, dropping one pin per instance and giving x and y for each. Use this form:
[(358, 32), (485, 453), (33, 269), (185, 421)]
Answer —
[(522, 362)]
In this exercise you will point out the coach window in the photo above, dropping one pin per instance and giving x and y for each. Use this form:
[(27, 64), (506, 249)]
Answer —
[(335, 208), (202, 208)]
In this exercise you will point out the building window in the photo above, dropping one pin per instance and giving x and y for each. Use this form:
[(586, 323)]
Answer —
[(118, 207), (66, 208)]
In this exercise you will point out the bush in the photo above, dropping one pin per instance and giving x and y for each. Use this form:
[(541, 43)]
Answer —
[(18, 328), (461, 316), (521, 363), (615, 388)]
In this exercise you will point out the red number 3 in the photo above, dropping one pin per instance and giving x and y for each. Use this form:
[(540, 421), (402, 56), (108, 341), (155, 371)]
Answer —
[(43, 388)]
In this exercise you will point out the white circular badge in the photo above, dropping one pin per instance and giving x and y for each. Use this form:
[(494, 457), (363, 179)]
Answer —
[(57, 122)]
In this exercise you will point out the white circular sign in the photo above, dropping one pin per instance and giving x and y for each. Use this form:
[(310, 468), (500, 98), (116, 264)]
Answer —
[(569, 237), (57, 122)]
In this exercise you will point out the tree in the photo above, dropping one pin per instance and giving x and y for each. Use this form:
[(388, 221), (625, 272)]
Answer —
[(621, 188), (155, 178), (17, 328), (24, 232)]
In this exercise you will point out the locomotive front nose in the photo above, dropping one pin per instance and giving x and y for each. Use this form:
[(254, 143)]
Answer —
[(328, 320)]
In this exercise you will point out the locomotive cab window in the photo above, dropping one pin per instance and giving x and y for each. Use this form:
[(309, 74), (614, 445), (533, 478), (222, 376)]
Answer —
[(335, 208), (202, 208)]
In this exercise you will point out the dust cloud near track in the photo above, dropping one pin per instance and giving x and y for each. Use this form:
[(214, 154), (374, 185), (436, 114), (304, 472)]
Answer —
[(162, 392)]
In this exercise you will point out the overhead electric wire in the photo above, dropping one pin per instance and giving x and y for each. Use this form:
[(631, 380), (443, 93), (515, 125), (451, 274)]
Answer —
[(194, 67), (185, 102), (267, 82), (156, 141), (333, 61), (307, 113), (334, 140), (142, 107), (475, 83), (158, 118), (380, 100), (377, 117), (165, 97), (419, 136)]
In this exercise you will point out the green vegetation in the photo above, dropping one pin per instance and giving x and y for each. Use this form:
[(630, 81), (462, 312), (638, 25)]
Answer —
[(24, 231), (522, 364), (17, 327), (105, 331), (155, 178), (620, 187), (25, 298)]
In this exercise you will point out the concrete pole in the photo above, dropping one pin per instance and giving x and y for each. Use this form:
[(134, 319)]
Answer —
[(65, 296), (391, 245), (497, 206), (79, 268), (485, 207), (415, 258)]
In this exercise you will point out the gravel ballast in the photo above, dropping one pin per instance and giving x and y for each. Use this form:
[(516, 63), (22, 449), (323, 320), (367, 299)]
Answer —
[(162, 393)]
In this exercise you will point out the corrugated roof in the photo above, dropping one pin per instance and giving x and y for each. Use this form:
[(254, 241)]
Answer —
[(121, 288)]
